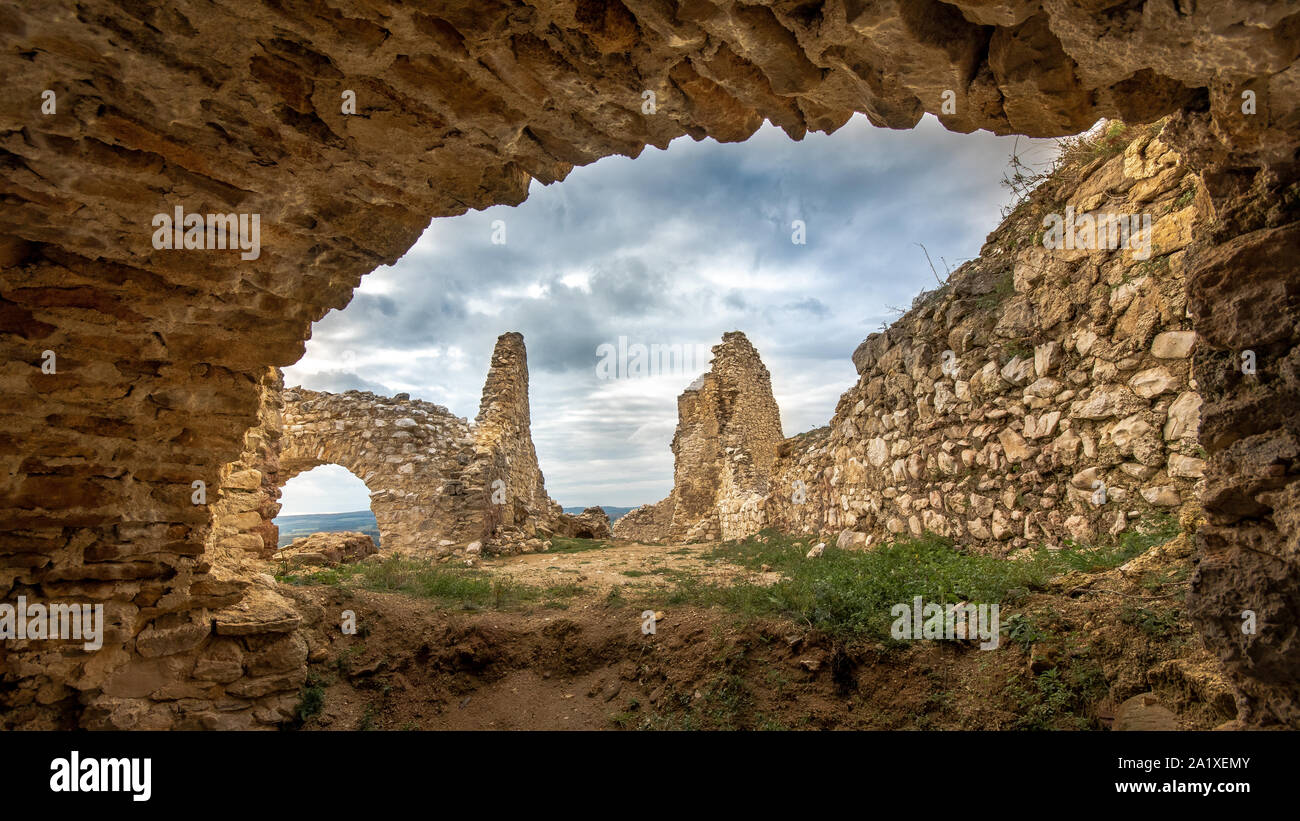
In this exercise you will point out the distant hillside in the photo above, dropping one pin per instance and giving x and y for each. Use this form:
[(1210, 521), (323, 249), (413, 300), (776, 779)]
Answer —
[(610, 510), (361, 521)]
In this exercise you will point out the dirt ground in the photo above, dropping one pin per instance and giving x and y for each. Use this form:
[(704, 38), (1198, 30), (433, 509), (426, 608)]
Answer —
[(414, 664), (623, 564)]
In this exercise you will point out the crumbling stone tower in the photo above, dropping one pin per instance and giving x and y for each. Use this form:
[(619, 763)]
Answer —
[(728, 432)]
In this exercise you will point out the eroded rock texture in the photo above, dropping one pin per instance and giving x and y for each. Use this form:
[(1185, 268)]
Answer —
[(1244, 296), (162, 354)]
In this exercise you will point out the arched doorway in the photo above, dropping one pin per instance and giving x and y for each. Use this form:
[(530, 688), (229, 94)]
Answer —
[(328, 498)]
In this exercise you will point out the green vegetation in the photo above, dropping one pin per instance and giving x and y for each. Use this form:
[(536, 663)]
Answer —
[(311, 697), (1158, 623), (1058, 699), (1011, 350), (725, 703), (1024, 631), (368, 717), (849, 593), (1115, 551), (1005, 287), (1073, 155), (1109, 142), (468, 588), (1158, 265)]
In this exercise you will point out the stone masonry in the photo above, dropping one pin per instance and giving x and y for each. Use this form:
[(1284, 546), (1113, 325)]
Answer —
[(1038, 396), (727, 435), (437, 482)]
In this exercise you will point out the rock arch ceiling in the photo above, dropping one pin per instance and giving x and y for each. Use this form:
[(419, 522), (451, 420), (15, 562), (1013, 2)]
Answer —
[(162, 354)]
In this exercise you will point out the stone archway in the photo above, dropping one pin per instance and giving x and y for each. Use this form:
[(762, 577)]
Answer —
[(162, 354), (412, 456), (437, 482)]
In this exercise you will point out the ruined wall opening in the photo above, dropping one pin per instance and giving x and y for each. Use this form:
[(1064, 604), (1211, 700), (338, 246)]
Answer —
[(326, 498)]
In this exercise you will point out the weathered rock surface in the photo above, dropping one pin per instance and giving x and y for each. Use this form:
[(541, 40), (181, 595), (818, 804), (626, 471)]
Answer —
[(327, 549), (592, 523)]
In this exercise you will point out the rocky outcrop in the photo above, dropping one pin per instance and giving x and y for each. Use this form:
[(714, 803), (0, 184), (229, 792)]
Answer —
[(340, 547), (592, 523), (123, 112), (728, 430)]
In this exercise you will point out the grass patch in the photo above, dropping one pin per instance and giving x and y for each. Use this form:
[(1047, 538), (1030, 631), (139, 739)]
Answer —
[(1116, 551), (467, 588), (850, 593)]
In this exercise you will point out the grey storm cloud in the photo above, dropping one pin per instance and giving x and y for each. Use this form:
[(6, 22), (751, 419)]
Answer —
[(675, 247)]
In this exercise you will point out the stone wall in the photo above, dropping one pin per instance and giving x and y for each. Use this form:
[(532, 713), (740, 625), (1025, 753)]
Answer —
[(1041, 395), (437, 483), (162, 352), (411, 454), (728, 430)]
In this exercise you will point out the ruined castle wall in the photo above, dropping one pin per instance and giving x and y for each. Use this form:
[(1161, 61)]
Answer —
[(503, 441), (437, 482), (728, 431), (411, 455), (1041, 395)]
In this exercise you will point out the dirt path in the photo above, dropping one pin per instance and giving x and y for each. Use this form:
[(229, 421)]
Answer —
[(623, 564)]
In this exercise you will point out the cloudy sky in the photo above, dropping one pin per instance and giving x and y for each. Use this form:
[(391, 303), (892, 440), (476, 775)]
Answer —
[(674, 248)]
